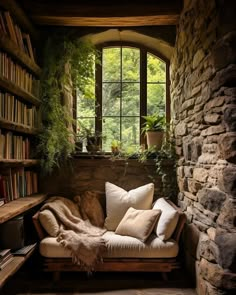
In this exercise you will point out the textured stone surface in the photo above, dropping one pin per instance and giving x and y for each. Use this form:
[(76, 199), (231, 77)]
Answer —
[(227, 180), (227, 250), (203, 74), (211, 199), (217, 276), (227, 144)]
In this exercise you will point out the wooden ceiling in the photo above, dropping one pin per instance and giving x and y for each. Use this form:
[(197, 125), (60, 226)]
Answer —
[(103, 13)]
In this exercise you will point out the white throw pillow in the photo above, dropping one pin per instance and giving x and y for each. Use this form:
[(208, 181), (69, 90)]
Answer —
[(168, 219), (49, 222), (119, 200)]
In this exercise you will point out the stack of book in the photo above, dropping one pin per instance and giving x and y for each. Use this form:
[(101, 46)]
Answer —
[(5, 257)]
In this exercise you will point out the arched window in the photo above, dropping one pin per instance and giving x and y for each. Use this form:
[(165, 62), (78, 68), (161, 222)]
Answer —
[(130, 82)]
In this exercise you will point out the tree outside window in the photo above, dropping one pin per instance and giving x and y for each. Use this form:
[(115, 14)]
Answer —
[(129, 83)]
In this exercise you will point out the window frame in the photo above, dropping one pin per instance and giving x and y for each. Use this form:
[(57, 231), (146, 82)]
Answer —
[(144, 50)]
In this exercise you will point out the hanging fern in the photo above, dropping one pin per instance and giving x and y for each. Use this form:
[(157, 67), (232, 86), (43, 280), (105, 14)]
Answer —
[(55, 141)]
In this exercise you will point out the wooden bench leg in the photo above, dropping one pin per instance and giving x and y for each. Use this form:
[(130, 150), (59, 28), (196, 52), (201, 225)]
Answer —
[(56, 276), (164, 276)]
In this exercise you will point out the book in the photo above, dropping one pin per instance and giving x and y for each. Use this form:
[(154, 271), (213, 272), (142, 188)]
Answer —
[(24, 250), (6, 263), (4, 252), (10, 26), (27, 42)]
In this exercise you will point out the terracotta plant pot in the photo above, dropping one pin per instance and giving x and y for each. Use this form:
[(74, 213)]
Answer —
[(154, 138)]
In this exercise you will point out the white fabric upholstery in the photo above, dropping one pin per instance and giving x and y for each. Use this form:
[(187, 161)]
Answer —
[(118, 246)]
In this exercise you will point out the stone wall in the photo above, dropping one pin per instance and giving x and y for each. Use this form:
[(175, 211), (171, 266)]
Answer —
[(203, 80), (90, 173)]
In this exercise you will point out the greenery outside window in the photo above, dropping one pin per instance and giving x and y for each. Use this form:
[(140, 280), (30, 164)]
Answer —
[(130, 82)]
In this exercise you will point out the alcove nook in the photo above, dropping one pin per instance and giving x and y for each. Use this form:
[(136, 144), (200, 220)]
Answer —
[(201, 52)]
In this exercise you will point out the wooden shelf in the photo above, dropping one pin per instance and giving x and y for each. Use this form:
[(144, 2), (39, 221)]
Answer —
[(17, 127), (16, 90), (19, 206), (10, 47), (18, 162), (13, 266)]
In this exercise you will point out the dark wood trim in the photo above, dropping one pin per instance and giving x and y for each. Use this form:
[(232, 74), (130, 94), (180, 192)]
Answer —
[(16, 207), (17, 162), (16, 90), (6, 124), (80, 13)]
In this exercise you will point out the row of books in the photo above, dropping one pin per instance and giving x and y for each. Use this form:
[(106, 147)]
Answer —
[(15, 73), (17, 183), (5, 257), (14, 146), (11, 29), (12, 109)]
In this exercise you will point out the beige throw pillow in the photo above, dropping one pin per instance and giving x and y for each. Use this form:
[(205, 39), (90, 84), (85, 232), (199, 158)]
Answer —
[(138, 223), (49, 222), (168, 219), (119, 200)]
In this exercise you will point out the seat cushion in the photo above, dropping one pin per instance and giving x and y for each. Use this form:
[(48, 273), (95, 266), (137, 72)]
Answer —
[(118, 247)]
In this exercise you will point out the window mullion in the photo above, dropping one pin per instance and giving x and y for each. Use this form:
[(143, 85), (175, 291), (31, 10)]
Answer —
[(98, 95), (143, 90)]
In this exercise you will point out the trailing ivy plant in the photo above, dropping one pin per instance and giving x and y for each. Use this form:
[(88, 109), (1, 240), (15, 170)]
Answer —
[(68, 62)]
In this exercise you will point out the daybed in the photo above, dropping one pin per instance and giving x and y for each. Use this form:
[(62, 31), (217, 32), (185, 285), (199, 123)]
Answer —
[(124, 252)]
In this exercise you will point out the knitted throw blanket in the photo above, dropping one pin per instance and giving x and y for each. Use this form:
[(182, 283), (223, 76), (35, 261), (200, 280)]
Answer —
[(79, 236)]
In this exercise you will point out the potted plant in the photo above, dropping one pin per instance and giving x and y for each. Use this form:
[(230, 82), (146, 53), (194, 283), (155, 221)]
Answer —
[(115, 147), (153, 128)]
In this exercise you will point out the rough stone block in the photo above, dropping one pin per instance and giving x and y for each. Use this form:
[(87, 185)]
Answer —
[(227, 215), (213, 130), (227, 180), (212, 118), (227, 145), (225, 77), (224, 51), (202, 218), (200, 174), (194, 186), (230, 117), (211, 199), (216, 276), (226, 257)]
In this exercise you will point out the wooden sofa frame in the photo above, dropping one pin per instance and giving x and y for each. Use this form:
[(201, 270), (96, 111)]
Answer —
[(163, 265)]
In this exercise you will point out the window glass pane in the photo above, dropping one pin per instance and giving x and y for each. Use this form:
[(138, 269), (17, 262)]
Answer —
[(111, 99), (85, 125), (111, 131), (111, 64), (85, 107), (156, 98), (130, 131), (156, 69), (130, 99), (130, 64)]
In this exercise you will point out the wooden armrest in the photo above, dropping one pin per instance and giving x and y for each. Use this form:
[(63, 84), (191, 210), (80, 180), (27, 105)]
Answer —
[(39, 229)]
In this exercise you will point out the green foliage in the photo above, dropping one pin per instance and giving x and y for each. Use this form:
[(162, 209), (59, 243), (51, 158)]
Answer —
[(153, 123), (69, 63), (165, 162)]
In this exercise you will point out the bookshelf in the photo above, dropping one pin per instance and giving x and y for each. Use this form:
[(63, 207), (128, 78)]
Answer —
[(19, 119), (13, 267), (19, 104)]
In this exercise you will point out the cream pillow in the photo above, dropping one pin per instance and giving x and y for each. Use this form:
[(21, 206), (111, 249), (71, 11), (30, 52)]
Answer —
[(168, 219), (49, 222), (119, 200), (138, 223)]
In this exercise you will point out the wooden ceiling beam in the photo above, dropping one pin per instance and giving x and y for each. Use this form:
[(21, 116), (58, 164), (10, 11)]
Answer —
[(107, 21), (91, 13)]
